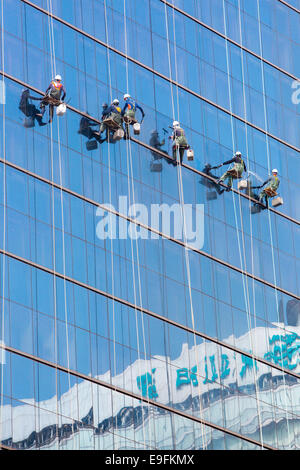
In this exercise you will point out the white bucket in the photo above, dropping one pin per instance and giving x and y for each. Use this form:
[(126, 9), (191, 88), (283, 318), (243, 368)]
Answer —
[(277, 201), (190, 155), (243, 184), (136, 128), (61, 109), (118, 135)]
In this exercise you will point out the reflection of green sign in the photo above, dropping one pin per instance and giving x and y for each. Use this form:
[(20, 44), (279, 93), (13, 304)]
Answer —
[(283, 352), (186, 376), (146, 384)]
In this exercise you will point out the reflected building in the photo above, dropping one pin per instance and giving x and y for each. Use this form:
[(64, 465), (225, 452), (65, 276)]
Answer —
[(222, 379), (117, 332)]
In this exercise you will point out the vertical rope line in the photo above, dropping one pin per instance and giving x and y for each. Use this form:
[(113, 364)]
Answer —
[(84, 60), (4, 221), (53, 59), (251, 231), (131, 192), (34, 222), (109, 180), (110, 201), (269, 214), (50, 37), (169, 60), (181, 199), (54, 247), (186, 251), (175, 57), (162, 267), (233, 147), (109, 155), (92, 297), (245, 281)]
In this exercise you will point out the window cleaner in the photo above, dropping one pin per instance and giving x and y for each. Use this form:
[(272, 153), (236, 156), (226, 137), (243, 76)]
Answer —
[(179, 141), (30, 110), (112, 121), (235, 172), (270, 191), (128, 114), (54, 96)]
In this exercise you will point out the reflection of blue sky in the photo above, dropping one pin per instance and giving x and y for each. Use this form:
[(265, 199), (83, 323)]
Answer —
[(34, 333), (213, 128), (83, 172), (209, 132), (222, 372)]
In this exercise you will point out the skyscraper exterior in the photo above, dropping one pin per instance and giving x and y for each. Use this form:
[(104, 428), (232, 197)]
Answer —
[(144, 306)]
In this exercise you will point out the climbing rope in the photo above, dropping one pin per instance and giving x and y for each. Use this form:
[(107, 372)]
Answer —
[(181, 200), (114, 372), (269, 214), (4, 221), (251, 236), (131, 194), (54, 71)]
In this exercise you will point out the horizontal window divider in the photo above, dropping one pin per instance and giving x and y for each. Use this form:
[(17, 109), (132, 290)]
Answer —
[(135, 396), (232, 41), (148, 147), (150, 229), (148, 312), (289, 6), (155, 72)]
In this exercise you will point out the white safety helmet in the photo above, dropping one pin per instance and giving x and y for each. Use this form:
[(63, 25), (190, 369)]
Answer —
[(275, 170), (126, 96), (58, 77), (176, 124), (238, 154), (116, 101)]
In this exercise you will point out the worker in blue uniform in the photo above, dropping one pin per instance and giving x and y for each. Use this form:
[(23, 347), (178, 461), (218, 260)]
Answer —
[(129, 113)]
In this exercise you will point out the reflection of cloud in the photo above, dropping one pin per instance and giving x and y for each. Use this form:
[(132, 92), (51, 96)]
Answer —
[(236, 390)]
